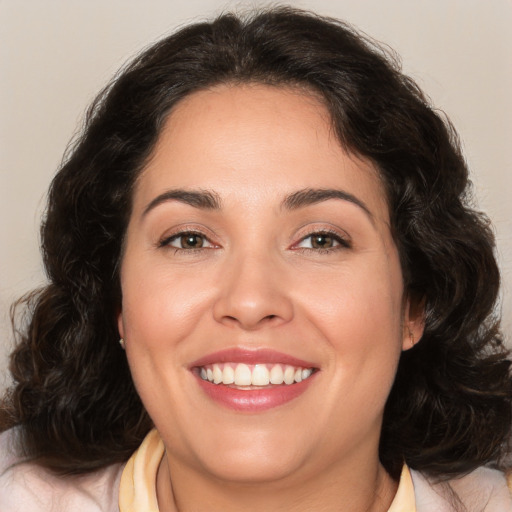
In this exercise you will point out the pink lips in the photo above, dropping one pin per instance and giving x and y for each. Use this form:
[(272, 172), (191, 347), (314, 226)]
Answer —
[(237, 355), (252, 400)]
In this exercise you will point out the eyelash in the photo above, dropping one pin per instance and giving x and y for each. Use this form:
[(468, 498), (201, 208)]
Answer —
[(342, 242), (166, 242)]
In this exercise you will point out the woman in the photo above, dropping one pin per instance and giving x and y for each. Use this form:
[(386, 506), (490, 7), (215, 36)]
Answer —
[(275, 224)]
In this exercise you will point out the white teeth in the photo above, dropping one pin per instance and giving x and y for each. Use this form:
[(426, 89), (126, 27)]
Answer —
[(243, 375), (276, 374), (228, 375), (289, 374), (260, 375), (306, 373), (217, 374)]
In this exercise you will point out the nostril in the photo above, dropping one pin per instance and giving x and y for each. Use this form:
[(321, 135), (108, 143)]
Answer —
[(250, 323), (252, 312)]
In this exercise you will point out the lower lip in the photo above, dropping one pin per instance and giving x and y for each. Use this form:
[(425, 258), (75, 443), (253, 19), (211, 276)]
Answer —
[(254, 400)]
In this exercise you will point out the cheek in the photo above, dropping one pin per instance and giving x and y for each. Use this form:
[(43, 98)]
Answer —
[(359, 315), (358, 306), (159, 306), (159, 312)]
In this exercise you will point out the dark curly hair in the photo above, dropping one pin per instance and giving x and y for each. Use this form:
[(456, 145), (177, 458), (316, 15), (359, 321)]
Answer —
[(449, 410)]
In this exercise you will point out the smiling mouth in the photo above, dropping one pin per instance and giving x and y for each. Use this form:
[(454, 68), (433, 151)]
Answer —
[(253, 376)]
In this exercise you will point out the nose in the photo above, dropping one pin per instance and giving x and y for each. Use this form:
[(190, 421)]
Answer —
[(253, 294)]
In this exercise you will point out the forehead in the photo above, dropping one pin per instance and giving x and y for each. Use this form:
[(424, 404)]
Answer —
[(256, 138)]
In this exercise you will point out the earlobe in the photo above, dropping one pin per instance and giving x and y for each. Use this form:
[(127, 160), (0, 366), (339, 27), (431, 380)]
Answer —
[(120, 326), (414, 322)]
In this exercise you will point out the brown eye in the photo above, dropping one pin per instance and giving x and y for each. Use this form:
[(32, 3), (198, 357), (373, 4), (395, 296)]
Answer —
[(187, 240), (191, 241), (322, 241)]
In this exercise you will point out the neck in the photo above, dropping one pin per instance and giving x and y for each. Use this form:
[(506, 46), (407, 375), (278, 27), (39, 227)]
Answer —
[(363, 488)]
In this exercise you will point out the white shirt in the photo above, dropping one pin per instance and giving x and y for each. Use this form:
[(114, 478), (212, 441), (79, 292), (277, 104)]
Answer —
[(26, 487)]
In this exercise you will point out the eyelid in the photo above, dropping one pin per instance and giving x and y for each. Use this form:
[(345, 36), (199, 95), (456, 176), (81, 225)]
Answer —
[(179, 236), (343, 239), (181, 230)]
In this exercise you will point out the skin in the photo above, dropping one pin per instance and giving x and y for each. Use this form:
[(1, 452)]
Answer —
[(259, 283)]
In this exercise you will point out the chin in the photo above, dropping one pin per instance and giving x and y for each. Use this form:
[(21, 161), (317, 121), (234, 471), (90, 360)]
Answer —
[(253, 468), (256, 457)]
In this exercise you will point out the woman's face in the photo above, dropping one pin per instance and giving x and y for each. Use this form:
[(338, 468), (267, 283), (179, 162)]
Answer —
[(259, 256)]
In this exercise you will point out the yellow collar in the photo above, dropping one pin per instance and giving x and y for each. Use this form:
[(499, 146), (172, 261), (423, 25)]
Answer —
[(137, 491)]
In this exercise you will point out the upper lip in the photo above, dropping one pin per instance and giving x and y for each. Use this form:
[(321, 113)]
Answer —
[(251, 356)]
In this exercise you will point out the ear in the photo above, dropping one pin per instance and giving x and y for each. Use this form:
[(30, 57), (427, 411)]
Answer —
[(413, 321), (120, 325)]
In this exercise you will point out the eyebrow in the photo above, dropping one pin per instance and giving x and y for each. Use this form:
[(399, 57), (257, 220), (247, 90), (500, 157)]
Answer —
[(310, 196), (209, 200), (202, 199)]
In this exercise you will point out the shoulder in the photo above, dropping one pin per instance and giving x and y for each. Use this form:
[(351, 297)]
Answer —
[(484, 489), (27, 487)]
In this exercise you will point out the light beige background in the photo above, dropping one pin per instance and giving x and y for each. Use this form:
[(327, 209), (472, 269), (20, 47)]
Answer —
[(56, 54)]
